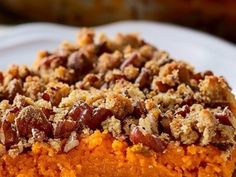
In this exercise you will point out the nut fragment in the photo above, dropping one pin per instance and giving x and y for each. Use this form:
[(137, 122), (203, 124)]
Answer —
[(46, 96), (77, 110), (52, 61), (63, 128), (223, 117), (89, 116), (8, 135), (99, 115), (143, 79), (164, 61), (31, 117), (162, 87), (131, 60), (1, 77), (71, 142), (153, 142), (79, 62), (139, 109), (102, 48), (47, 112)]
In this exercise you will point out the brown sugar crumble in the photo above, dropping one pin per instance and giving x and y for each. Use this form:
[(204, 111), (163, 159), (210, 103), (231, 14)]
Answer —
[(124, 86)]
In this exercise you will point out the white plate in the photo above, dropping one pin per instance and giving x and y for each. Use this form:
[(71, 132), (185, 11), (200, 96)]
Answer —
[(20, 44)]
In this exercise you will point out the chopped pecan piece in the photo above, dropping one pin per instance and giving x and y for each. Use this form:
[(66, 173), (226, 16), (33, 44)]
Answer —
[(31, 117), (99, 115), (14, 109), (86, 115), (48, 112), (144, 79), (63, 128), (223, 117), (76, 111), (1, 77), (8, 135), (217, 103), (131, 60), (153, 142), (165, 61), (208, 73), (102, 48), (200, 76), (89, 116), (79, 62), (139, 109), (53, 61), (46, 96), (71, 142), (162, 87)]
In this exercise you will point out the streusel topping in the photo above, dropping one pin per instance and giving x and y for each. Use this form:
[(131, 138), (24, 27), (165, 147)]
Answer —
[(124, 86)]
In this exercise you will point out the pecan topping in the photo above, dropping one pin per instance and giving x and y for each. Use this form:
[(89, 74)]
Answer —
[(79, 62), (102, 48), (8, 135), (197, 76), (46, 96), (144, 79), (124, 86), (48, 112), (200, 76), (217, 103), (165, 61), (223, 117), (99, 115), (71, 142), (132, 60), (1, 77), (208, 73), (89, 116), (162, 87), (139, 109), (63, 128), (76, 111), (14, 109), (53, 61), (153, 142), (29, 118)]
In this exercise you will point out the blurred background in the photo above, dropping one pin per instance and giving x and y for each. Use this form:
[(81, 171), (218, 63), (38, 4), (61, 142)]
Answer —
[(217, 17)]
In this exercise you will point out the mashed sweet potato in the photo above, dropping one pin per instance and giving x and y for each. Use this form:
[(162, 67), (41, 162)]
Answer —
[(101, 155)]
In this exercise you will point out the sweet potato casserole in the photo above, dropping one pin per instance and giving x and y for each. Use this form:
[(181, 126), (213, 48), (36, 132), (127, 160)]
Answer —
[(102, 107)]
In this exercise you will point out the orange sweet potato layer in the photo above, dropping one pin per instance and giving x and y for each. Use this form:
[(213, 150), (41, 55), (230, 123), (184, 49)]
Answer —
[(99, 155)]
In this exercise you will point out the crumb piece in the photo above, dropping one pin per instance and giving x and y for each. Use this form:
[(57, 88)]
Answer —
[(113, 125), (119, 105), (109, 61)]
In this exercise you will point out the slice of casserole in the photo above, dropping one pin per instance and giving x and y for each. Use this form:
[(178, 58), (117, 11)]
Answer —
[(114, 108)]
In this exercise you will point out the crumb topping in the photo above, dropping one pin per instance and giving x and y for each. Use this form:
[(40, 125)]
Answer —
[(124, 86)]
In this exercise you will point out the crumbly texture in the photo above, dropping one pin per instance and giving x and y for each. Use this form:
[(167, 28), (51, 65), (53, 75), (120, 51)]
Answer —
[(101, 155), (137, 93)]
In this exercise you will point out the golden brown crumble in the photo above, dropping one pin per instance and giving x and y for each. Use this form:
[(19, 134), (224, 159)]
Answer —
[(124, 86)]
